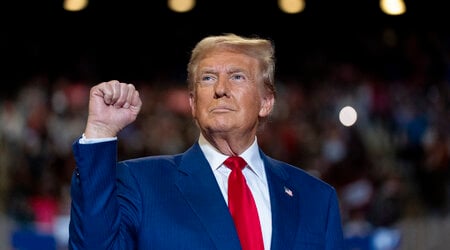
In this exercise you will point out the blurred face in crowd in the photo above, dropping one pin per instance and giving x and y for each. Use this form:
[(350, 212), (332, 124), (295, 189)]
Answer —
[(229, 96)]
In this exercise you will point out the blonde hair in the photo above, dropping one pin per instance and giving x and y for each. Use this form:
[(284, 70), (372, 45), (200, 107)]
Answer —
[(261, 49)]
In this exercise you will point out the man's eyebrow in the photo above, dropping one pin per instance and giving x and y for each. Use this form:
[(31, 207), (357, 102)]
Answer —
[(207, 70)]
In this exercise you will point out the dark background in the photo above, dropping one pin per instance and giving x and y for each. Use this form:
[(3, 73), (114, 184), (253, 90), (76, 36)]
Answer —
[(131, 40)]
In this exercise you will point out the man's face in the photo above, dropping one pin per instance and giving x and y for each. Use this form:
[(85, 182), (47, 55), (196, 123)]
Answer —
[(229, 95)]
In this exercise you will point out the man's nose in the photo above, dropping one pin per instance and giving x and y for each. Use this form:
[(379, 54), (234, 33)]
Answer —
[(222, 87)]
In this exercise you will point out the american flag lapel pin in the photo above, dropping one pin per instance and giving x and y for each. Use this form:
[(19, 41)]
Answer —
[(288, 191)]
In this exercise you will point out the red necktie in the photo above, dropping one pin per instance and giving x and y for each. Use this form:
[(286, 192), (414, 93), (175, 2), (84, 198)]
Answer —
[(242, 206)]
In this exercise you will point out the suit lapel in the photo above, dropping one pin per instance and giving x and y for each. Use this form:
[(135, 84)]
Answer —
[(285, 204), (200, 189)]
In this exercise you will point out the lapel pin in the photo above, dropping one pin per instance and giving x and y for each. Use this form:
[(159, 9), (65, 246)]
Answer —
[(288, 191)]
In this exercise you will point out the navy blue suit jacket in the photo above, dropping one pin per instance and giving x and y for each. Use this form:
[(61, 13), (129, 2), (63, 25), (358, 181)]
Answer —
[(174, 202)]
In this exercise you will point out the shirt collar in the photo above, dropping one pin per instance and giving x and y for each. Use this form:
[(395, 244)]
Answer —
[(216, 159)]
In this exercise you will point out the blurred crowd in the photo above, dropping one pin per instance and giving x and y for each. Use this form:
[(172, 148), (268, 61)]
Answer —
[(394, 162)]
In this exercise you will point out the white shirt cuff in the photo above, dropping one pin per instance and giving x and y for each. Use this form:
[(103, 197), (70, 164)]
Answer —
[(84, 140)]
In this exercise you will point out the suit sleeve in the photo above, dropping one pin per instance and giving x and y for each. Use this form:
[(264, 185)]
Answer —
[(334, 235), (100, 219)]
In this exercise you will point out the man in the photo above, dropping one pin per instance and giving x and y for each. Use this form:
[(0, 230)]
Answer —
[(182, 201)]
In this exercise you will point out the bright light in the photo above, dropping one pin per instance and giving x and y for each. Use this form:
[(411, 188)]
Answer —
[(347, 116), (181, 5), (393, 7), (291, 6), (75, 5)]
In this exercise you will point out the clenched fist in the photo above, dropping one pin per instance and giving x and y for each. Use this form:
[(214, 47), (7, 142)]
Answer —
[(112, 106)]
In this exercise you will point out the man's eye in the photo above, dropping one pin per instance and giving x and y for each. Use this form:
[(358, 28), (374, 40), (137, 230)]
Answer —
[(238, 77), (206, 78)]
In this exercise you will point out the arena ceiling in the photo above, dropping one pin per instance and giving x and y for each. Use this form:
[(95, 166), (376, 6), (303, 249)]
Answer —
[(137, 39)]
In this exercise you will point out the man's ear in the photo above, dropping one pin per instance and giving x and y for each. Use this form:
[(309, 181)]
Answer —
[(192, 103), (267, 105)]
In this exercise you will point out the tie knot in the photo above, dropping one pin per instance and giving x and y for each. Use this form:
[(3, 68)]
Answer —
[(235, 162)]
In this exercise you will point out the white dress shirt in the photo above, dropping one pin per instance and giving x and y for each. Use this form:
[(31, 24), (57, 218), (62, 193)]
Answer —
[(255, 175)]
